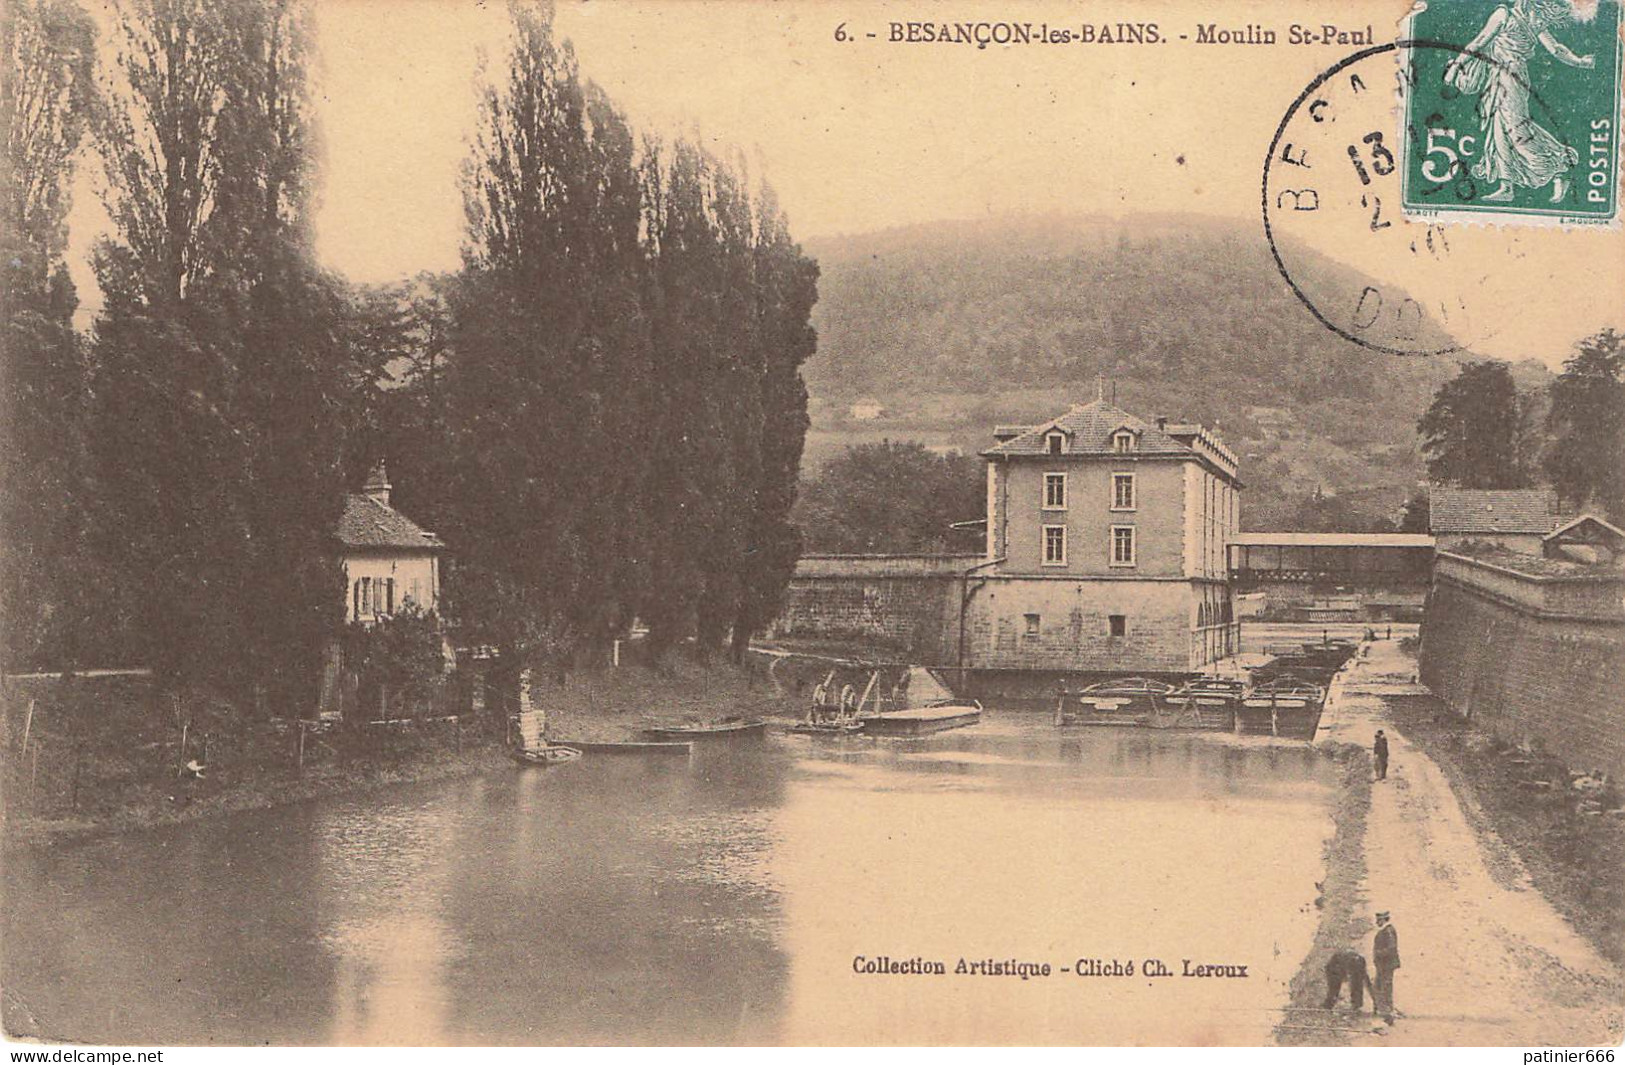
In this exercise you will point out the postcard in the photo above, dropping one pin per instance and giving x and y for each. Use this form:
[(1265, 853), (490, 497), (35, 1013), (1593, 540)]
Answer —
[(901, 523)]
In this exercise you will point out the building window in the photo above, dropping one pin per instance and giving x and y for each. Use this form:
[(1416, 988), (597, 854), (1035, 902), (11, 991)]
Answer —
[(365, 608), (1122, 491), (1055, 442), (1117, 625), (1122, 441), (1032, 624), (1054, 491), (1055, 545), (1122, 545)]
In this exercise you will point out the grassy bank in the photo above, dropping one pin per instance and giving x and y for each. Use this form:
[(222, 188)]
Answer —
[(100, 755), (1343, 914), (1576, 860)]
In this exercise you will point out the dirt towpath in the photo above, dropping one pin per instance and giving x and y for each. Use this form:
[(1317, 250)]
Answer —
[(1485, 961)]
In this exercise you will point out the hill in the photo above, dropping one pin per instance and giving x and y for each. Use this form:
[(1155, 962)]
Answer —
[(954, 327)]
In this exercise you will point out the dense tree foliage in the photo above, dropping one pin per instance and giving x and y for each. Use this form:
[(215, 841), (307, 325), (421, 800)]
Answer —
[(48, 594), (893, 497), (225, 380), (1586, 423), (1471, 431), (602, 413)]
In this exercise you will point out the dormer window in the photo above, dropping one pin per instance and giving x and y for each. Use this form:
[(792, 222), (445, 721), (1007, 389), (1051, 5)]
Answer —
[(1123, 441), (1055, 442)]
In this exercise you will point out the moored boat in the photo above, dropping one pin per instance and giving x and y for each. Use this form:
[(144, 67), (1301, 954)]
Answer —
[(1122, 701), (732, 730), (630, 746), (552, 754)]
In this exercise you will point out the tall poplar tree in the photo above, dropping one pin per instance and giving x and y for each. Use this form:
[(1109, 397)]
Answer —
[(548, 377), (224, 384), (49, 592)]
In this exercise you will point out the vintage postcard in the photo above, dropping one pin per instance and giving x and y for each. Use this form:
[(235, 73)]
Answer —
[(707, 523)]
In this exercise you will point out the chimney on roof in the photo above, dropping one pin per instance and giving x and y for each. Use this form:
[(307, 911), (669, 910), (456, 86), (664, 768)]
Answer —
[(377, 486), (1162, 421)]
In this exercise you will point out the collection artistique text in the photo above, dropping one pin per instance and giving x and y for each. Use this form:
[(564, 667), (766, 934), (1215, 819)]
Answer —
[(885, 965)]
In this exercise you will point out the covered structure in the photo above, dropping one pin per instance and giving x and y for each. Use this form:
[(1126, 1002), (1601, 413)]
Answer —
[(1333, 576)]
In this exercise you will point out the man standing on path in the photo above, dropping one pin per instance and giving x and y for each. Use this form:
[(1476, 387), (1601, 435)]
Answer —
[(1385, 957), (1379, 750)]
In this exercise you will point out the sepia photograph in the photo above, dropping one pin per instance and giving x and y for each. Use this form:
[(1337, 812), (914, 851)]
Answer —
[(902, 523)]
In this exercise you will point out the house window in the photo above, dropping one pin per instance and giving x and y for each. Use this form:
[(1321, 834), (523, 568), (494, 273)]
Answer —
[(1123, 440), (1032, 624), (386, 595), (1055, 545), (1122, 491), (1122, 545), (1054, 491), (1117, 625), (1055, 443)]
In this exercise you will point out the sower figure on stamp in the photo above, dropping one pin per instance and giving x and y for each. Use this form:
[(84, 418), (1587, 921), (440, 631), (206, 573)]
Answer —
[(1379, 752), (1517, 150), (1385, 956), (1346, 965)]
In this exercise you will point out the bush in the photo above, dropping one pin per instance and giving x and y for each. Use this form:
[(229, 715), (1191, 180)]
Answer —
[(401, 655)]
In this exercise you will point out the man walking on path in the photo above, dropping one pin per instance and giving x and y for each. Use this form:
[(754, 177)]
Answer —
[(1379, 750), (1385, 956), (1350, 966)]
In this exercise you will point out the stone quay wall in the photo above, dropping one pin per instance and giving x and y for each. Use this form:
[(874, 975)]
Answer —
[(908, 604), (1536, 660)]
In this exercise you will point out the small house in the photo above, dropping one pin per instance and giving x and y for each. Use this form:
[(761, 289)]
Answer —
[(389, 560)]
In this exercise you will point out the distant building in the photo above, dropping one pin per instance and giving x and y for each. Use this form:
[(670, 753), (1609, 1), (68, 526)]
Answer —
[(1513, 519), (866, 410), (1588, 540), (1105, 547), (389, 561), (1333, 576)]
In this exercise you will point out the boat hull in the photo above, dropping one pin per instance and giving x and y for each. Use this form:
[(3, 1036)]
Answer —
[(922, 721), (545, 756), (631, 747), (749, 730)]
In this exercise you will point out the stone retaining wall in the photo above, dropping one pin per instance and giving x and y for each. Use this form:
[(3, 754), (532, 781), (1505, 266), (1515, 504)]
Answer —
[(1536, 660)]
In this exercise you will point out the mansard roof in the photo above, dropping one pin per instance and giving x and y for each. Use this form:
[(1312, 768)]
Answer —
[(1091, 426)]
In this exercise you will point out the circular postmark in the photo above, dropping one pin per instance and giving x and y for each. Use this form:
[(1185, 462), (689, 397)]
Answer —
[(1333, 194)]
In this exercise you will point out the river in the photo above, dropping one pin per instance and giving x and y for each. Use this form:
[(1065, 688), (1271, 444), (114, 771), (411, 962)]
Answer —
[(725, 898)]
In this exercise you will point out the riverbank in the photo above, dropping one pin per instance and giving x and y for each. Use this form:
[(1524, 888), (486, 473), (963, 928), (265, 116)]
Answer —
[(101, 757), (1343, 917), (1486, 958), (1576, 860)]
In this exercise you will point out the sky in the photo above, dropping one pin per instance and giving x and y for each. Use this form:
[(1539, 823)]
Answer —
[(864, 134)]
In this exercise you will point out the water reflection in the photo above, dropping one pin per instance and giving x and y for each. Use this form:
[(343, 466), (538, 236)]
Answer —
[(715, 900)]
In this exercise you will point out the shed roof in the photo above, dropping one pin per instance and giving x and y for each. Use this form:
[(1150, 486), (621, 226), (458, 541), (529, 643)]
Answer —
[(1335, 539)]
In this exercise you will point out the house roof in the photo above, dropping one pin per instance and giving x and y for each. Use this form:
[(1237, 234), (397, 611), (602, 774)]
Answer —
[(1493, 510), (369, 523), (1089, 430)]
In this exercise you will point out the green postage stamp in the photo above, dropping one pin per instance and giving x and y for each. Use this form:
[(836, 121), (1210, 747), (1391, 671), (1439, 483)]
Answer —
[(1512, 110)]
